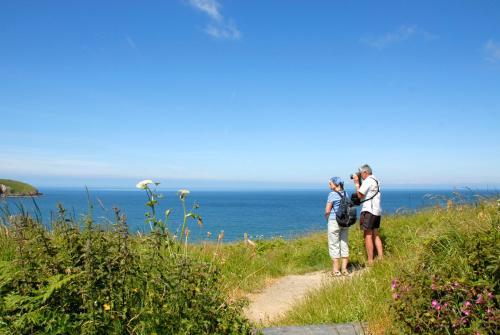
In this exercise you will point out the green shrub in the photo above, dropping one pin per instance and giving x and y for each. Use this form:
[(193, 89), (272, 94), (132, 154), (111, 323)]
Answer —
[(85, 278), (453, 289)]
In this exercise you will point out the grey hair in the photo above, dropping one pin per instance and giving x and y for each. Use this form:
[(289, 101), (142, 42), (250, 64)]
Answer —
[(365, 168)]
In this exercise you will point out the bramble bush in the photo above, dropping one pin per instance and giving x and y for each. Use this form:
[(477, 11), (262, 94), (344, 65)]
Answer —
[(89, 278), (454, 287)]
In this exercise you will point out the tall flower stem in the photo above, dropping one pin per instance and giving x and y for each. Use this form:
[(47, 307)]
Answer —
[(150, 204), (151, 198), (183, 201)]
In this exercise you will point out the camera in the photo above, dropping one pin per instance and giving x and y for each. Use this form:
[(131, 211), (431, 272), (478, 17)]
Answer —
[(359, 177), (355, 200)]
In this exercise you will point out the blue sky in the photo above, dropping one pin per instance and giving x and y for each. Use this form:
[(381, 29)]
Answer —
[(212, 93)]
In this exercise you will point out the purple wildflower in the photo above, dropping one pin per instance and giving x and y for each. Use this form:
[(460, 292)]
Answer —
[(394, 284), (490, 296), (479, 299), (395, 296), (436, 305), (433, 287), (467, 304)]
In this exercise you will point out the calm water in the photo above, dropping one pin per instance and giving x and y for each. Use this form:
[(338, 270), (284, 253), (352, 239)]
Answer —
[(262, 214)]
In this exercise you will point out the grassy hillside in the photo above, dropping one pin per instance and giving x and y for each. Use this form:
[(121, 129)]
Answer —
[(247, 268), (440, 276), (19, 188), (430, 252), (434, 258)]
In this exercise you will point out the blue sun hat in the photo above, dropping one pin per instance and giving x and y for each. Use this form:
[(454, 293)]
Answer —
[(337, 180)]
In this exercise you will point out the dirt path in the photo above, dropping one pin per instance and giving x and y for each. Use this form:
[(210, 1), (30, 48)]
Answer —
[(282, 294)]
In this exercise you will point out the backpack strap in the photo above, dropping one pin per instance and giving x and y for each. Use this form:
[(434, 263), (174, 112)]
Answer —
[(341, 197), (373, 196)]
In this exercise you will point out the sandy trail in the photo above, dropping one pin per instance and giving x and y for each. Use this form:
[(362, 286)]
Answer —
[(280, 297)]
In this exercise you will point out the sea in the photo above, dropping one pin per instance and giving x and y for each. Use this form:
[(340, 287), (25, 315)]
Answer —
[(261, 214)]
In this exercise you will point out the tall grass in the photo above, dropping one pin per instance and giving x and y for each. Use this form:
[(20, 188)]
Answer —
[(86, 277), (247, 267), (438, 234), (96, 278)]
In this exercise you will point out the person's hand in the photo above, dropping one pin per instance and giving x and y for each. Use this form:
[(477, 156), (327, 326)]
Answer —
[(355, 178)]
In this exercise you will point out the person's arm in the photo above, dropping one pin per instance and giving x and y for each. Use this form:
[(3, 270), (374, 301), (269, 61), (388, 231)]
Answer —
[(359, 190), (328, 210)]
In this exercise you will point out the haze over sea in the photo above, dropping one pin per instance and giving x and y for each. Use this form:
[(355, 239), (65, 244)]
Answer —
[(260, 213)]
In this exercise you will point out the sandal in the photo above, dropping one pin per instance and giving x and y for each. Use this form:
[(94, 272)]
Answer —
[(336, 274), (345, 273)]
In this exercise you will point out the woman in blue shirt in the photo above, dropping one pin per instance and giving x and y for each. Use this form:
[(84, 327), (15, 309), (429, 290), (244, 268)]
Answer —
[(337, 236)]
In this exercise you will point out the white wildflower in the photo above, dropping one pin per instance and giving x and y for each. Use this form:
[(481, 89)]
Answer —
[(183, 193), (144, 184)]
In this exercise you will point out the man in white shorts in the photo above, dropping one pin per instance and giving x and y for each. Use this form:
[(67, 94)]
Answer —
[(369, 193)]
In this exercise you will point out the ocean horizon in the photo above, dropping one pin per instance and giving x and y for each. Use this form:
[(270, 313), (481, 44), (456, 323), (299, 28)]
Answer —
[(260, 213)]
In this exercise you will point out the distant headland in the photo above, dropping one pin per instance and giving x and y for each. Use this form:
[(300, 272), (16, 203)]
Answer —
[(14, 188)]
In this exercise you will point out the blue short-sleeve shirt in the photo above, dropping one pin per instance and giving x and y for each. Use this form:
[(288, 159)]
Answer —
[(334, 198)]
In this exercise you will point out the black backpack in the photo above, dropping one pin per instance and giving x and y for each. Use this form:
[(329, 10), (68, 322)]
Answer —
[(346, 214)]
